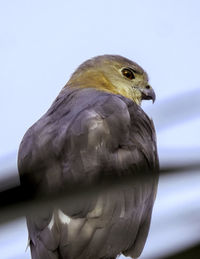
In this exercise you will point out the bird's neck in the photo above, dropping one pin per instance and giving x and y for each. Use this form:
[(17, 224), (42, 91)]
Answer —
[(98, 81)]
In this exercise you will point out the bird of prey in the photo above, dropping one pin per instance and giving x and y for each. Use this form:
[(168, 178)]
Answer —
[(95, 129)]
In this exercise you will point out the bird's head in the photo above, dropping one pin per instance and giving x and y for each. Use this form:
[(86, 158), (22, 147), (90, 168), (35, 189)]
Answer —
[(116, 74)]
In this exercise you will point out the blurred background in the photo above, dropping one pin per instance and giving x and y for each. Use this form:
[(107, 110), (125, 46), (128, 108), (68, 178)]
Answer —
[(41, 44)]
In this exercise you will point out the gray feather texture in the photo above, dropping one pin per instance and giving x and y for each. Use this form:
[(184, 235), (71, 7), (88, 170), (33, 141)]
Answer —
[(85, 135)]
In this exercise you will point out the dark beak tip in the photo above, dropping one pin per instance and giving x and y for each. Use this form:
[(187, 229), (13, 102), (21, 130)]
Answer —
[(149, 95), (153, 98)]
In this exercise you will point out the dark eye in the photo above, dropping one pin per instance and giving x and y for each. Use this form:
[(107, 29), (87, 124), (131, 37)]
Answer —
[(127, 72)]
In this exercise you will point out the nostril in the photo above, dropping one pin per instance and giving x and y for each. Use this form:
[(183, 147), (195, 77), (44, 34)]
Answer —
[(148, 87)]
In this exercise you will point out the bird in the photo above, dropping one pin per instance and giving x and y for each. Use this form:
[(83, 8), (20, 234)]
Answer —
[(95, 130)]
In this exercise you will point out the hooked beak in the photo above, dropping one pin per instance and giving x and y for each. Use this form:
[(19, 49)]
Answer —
[(148, 94)]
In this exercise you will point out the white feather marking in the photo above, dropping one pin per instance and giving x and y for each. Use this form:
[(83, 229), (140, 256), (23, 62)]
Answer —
[(63, 218), (28, 244), (51, 223)]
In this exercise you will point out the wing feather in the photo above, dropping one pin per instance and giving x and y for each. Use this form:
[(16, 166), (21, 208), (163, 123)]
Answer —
[(85, 135)]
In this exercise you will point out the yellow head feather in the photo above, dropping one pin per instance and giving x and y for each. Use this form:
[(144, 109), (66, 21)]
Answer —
[(105, 73)]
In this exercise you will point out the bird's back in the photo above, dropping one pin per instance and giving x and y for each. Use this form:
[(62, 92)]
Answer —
[(84, 137)]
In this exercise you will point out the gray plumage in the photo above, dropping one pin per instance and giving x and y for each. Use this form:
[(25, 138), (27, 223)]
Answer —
[(87, 134)]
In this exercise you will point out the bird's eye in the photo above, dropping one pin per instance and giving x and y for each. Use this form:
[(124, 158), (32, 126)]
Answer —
[(127, 72)]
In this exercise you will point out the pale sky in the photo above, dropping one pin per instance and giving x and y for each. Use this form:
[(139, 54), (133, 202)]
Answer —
[(42, 42)]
